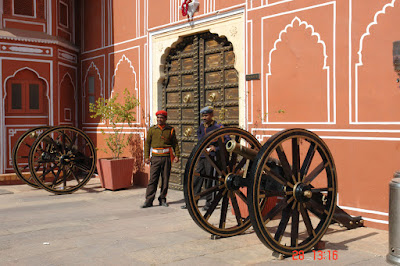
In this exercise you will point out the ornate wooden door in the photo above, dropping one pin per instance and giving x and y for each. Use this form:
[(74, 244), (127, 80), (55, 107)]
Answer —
[(199, 72)]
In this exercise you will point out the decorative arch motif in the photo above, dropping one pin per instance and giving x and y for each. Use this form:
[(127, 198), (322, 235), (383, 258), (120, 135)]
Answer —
[(93, 65), (359, 63), (291, 25), (325, 67), (125, 59), (64, 78), (102, 93), (368, 30), (39, 77)]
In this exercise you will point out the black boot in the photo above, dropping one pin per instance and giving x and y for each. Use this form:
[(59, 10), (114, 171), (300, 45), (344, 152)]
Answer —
[(163, 202), (147, 205)]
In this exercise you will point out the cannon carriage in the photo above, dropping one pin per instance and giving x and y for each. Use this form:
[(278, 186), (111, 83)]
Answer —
[(59, 159), (286, 189)]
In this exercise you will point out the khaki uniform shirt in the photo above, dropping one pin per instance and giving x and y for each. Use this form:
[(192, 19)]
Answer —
[(157, 138)]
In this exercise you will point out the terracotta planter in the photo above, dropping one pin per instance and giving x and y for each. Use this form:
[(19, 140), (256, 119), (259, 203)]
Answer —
[(115, 173)]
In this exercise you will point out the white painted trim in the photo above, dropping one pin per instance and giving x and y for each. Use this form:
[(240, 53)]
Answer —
[(70, 57), (59, 13), (103, 21), (359, 64), (113, 45), (102, 92), (26, 49), (137, 76), (264, 109), (35, 40), (26, 22), (335, 130), (2, 105), (249, 92), (364, 211), (15, 116), (59, 93), (49, 18)]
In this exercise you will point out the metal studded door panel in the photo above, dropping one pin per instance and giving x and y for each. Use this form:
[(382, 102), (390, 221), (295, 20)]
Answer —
[(198, 72), (219, 81)]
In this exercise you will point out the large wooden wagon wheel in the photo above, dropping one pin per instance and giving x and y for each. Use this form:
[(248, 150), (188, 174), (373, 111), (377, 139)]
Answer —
[(62, 159), (224, 216), (308, 191), (21, 151)]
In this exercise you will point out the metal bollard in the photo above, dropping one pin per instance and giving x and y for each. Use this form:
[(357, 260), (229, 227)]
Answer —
[(394, 220)]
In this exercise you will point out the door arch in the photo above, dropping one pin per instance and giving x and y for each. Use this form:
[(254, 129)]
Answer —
[(199, 71)]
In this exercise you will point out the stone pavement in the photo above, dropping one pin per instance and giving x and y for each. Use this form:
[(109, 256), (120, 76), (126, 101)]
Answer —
[(94, 226)]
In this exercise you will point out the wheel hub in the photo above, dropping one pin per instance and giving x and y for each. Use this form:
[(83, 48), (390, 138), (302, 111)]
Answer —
[(233, 182), (302, 192), (65, 159)]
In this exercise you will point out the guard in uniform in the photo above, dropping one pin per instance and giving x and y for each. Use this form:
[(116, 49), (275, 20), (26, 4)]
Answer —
[(161, 138), (203, 166)]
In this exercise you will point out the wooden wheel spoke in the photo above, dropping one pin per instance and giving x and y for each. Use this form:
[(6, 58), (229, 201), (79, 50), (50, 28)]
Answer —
[(82, 167), (307, 160), (208, 191), (232, 162), (64, 177), (224, 210), (236, 208), (294, 232), (62, 141), (275, 210), (74, 176), (296, 159), (216, 178), (56, 177), (284, 162), (49, 140), (277, 177), (286, 213), (73, 141), (38, 166), (211, 161), (317, 190), (26, 144), (317, 170), (241, 164), (214, 204), (271, 193), (25, 167), (223, 153), (307, 220), (241, 196)]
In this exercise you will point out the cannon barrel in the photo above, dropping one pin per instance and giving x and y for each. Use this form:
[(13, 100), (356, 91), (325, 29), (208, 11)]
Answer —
[(233, 146)]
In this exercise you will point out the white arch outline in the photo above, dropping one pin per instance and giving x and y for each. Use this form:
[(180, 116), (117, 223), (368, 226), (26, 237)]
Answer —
[(92, 65), (325, 67), (75, 97), (50, 110), (360, 63), (137, 92)]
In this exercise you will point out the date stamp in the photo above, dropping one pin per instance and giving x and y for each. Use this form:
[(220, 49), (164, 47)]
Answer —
[(317, 255)]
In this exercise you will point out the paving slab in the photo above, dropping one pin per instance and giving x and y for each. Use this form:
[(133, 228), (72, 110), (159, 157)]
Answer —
[(94, 226)]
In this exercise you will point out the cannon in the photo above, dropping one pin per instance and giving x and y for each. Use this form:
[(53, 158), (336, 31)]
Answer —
[(286, 189), (60, 159)]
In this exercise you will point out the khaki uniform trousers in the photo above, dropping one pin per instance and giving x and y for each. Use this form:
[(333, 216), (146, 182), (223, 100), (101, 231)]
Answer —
[(159, 165)]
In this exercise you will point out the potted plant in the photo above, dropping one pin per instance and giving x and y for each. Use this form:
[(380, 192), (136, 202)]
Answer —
[(116, 172)]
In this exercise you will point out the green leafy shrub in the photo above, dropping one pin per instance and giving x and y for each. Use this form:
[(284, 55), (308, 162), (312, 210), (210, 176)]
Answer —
[(116, 116)]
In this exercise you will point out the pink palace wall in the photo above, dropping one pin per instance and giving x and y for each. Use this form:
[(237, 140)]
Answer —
[(324, 65)]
